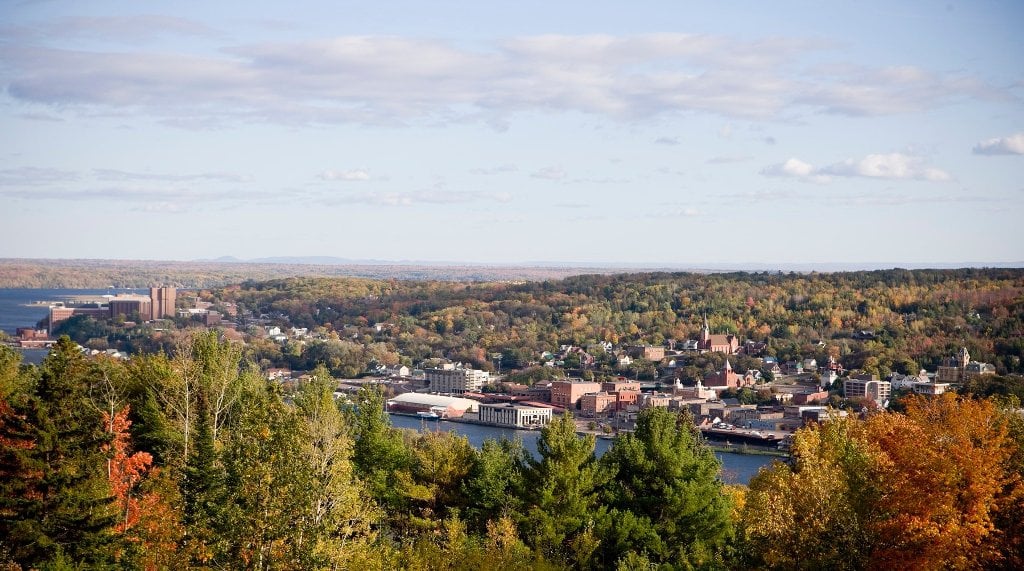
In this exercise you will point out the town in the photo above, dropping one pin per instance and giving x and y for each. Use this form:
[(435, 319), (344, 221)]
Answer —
[(741, 397)]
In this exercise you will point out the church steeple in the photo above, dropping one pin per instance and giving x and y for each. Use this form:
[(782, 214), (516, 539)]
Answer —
[(705, 333)]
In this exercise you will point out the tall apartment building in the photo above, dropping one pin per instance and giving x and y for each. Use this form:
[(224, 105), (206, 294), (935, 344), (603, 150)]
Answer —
[(456, 381), (865, 386), (163, 299)]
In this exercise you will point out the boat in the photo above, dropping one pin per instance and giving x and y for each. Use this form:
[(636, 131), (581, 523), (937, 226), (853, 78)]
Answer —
[(428, 414)]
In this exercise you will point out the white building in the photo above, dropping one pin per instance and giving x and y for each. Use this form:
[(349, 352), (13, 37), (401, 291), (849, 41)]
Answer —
[(873, 389), (515, 415), (457, 381)]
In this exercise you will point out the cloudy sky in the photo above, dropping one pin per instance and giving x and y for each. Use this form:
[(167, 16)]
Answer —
[(662, 133)]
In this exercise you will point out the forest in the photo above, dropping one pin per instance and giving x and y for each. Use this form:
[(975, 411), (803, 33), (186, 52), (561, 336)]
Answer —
[(99, 274), (915, 318), (191, 459)]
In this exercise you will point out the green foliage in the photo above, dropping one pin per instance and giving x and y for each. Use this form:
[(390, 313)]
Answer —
[(666, 501), (55, 503), (562, 488)]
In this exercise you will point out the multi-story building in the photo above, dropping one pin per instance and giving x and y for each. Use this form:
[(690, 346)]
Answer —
[(594, 404), (162, 302), (867, 387), (960, 368), (566, 394), (456, 380), (649, 352), (514, 415), (129, 305)]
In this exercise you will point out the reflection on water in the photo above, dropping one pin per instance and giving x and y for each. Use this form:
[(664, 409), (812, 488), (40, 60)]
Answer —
[(736, 468)]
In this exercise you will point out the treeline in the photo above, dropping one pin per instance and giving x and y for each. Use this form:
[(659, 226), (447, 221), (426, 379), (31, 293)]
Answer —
[(192, 460), (916, 318), (97, 274)]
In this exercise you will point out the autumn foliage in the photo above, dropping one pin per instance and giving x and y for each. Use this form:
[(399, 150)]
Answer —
[(124, 470), (933, 488)]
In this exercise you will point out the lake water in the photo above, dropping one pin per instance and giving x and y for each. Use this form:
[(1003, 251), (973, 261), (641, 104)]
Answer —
[(736, 468), (18, 308)]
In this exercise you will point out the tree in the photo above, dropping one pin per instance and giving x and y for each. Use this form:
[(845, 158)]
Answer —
[(379, 454), (814, 516), (666, 499), (494, 484), (563, 511), (337, 525), (57, 505)]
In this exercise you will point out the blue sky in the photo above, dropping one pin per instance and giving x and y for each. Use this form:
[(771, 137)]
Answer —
[(660, 133)]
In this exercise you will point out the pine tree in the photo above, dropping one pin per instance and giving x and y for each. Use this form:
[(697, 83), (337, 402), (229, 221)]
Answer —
[(202, 488), (562, 491), (57, 503), (666, 498)]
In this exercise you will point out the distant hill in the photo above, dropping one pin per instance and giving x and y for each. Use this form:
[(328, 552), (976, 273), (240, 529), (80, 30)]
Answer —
[(56, 273)]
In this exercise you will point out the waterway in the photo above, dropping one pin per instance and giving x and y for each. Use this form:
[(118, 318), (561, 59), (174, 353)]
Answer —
[(21, 307), (736, 468)]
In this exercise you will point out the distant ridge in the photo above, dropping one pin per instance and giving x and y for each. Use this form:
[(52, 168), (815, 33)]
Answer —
[(91, 274), (626, 266)]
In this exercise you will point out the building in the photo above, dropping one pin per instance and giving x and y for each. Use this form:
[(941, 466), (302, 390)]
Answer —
[(594, 404), (456, 380), (808, 398), (442, 406), (158, 305), (59, 313), (960, 368), (162, 302), (867, 387), (649, 352), (567, 394), (725, 378), (620, 385), (728, 344), (655, 400), (128, 305), (515, 415)]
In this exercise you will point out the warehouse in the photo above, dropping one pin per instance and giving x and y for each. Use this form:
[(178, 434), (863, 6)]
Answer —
[(424, 404)]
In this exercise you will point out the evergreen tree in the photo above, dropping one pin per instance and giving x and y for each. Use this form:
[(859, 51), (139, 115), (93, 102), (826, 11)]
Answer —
[(57, 504), (379, 454), (667, 502), (564, 514), (202, 488)]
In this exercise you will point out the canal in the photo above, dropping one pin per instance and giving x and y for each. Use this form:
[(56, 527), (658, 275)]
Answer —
[(736, 468)]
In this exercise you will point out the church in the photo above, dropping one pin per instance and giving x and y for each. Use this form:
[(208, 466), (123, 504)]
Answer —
[(728, 344)]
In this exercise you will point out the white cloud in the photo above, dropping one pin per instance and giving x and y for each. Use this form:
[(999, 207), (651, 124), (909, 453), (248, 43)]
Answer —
[(550, 173), (893, 166), (897, 166), (1010, 145), (500, 169), (394, 80), (728, 159), (671, 141), (421, 197), (795, 168), (345, 175), (792, 167)]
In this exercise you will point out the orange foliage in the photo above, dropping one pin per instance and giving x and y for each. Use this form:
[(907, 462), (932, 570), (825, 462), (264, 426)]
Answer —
[(124, 471), (943, 469)]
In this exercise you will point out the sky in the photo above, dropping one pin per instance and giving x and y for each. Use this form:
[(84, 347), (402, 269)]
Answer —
[(660, 133)]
